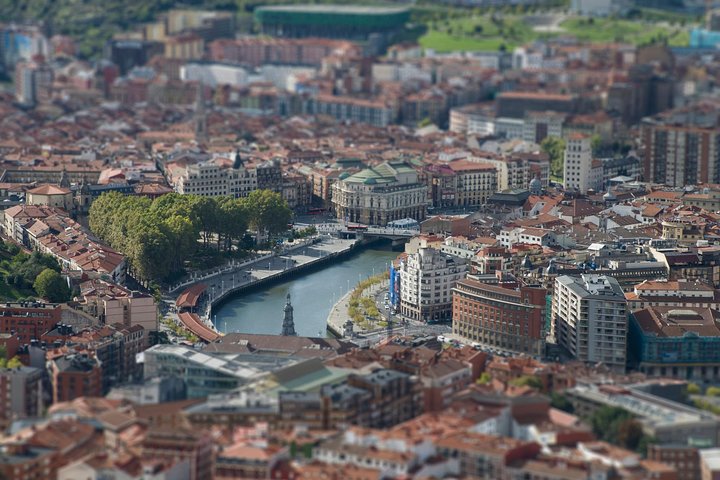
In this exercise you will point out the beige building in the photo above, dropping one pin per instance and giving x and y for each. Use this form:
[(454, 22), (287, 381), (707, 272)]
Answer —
[(381, 194), (51, 196), (516, 171), (214, 178), (111, 304), (184, 47), (578, 163), (426, 282)]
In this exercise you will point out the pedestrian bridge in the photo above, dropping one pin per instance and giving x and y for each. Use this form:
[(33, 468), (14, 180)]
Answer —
[(390, 233)]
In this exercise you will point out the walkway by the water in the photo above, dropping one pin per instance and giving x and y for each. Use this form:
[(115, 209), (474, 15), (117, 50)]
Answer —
[(227, 283), (312, 294)]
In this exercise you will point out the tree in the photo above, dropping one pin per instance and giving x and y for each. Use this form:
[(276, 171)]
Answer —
[(14, 363), (555, 148), (268, 211), (484, 379), (693, 389), (629, 434), (206, 211), (233, 218), (713, 392), (182, 238), (561, 402), (607, 422), (50, 284), (595, 143), (148, 249), (527, 381)]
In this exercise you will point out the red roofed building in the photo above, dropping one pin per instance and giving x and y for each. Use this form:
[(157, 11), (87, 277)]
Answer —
[(189, 300), (28, 320), (497, 317), (51, 196)]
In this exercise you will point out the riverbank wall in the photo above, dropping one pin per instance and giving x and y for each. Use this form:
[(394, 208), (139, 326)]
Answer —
[(296, 270)]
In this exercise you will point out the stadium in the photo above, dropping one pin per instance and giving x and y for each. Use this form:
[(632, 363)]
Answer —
[(333, 21)]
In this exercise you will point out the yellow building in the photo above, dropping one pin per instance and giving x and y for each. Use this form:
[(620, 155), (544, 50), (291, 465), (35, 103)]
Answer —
[(184, 47)]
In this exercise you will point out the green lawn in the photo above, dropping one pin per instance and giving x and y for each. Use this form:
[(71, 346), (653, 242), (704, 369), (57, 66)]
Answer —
[(609, 30), (476, 33), (444, 42)]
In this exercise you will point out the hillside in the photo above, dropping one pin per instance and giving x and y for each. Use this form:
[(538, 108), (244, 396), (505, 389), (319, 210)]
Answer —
[(92, 22)]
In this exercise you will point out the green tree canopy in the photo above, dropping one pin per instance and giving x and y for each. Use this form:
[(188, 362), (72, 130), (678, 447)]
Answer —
[(50, 285), (159, 236), (555, 148), (528, 381), (268, 211), (561, 402)]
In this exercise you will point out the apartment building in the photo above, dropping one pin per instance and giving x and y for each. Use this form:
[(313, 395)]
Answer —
[(500, 318), (258, 51), (381, 194), (589, 319), (111, 303), (75, 375), (516, 171), (461, 183), (682, 146), (28, 320), (214, 178), (380, 399), (195, 447), (374, 112), (578, 163), (20, 394), (678, 341), (540, 125), (426, 282), (21, 461)]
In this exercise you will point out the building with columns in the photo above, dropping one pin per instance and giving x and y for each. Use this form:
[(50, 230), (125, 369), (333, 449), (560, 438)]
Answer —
[(380, 194)]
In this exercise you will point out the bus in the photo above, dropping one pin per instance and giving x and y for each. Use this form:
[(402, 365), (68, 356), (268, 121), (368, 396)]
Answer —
[(357, 228), (316, 211)]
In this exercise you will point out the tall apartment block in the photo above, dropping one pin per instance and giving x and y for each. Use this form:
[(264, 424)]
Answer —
[(590, 320), (578, 162), (682, 146)]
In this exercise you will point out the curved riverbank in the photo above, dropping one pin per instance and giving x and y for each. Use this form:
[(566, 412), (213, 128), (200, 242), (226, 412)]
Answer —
[(313, 293)]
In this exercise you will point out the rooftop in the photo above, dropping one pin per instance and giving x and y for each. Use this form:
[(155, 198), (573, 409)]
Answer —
[(678, 322), (334, 9)]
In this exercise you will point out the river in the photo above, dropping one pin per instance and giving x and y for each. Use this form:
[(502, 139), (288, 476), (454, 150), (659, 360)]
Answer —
[(312, 296)]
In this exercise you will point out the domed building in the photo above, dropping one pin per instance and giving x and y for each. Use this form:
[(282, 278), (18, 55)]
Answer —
[(379, 195), (536, 186)]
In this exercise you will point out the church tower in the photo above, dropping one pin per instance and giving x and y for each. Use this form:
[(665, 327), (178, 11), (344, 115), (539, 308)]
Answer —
[(288, 326), (64, 180)]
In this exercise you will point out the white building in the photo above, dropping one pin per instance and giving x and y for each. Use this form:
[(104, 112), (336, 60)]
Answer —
[(589, 319), (475, 119), (578, 163), (215, 178), (426, 282), (214, 74), (540, 125), (509, 127), (527, 236), (381, 194)]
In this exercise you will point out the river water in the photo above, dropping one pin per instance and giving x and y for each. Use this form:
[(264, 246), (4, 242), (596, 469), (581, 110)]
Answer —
[(312, 296)]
